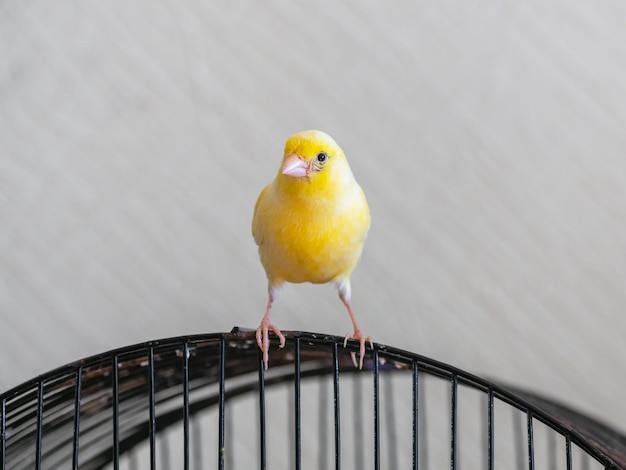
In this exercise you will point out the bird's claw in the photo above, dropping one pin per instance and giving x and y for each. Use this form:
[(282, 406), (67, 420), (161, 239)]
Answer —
[(362, 339), (263, 340)]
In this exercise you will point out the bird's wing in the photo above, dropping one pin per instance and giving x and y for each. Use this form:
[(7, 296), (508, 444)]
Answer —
[(257, 218), (361, 218)]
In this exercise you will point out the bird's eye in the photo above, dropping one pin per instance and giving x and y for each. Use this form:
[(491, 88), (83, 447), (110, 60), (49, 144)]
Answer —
[(321, 157)]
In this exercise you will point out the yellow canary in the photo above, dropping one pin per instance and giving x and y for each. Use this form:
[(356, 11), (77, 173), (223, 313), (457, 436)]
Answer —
[(310, 224)]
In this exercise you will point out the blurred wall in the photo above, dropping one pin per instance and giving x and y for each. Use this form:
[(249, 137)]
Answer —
[(489, 138)]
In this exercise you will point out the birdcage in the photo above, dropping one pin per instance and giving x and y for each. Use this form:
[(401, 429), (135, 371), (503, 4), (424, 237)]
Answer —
[(206, 401)]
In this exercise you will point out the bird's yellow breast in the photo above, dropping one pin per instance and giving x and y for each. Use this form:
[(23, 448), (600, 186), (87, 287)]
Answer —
[(308, 236)]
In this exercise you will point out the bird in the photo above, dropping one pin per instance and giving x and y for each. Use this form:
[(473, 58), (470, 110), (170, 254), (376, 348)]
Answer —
[(310, 224)]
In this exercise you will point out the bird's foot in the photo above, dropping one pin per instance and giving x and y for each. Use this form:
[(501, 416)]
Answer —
[(362, 339), (263, 339)]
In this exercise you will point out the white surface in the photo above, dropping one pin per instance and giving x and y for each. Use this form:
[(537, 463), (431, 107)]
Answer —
[(489, 139)]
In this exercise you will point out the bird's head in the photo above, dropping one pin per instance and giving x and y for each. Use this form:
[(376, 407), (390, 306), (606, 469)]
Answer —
[(313, 157)]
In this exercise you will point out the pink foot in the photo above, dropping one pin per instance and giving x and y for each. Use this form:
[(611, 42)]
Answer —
[(362, 339), (263, 339)]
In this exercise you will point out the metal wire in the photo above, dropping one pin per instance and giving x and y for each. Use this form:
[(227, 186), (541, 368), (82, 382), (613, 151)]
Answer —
[(531, 445), (453, 418), (376, 412), (298, 406), (568, 452), (77, 395), (415, 415), (337, 406), (124, 409), (186, 404), (262, 426), (490, 430), (116, 413), (3, 433), (222, 406), (39, 441), (152, 404)]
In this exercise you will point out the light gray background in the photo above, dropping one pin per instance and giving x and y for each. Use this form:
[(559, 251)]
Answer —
[(488, 137)]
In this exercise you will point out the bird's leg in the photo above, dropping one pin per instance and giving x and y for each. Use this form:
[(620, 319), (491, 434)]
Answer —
[(344, 289), (262, 332), (358, 335)]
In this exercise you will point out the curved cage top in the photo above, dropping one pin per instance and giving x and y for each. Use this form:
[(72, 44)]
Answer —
[(195, 401)]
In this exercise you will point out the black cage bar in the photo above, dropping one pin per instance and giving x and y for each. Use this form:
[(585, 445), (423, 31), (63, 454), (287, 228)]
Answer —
[(205, 401)]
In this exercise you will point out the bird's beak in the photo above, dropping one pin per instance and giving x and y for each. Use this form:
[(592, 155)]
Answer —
[(295, 166)]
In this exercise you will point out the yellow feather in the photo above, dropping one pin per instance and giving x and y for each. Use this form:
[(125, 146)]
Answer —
[(311, 229)]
